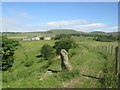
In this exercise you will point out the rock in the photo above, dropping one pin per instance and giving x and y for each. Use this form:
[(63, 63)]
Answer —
[(49, 72), (41, 79), (64, 61)]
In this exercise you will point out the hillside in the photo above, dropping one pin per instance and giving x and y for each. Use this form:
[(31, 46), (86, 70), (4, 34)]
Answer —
[(51, 33), (98, 33), (31, 71), (54, 32), (63, 31), (114, 33)]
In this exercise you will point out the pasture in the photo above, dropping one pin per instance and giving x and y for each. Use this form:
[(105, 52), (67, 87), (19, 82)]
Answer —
[(91, 67)]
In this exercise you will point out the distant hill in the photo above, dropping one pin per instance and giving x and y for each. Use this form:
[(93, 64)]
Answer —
[(114, 33), (62, 31), (98, 32)]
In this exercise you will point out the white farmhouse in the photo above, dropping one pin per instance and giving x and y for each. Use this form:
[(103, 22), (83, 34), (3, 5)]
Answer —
[(31, 38), (35, 38), (47, 38)]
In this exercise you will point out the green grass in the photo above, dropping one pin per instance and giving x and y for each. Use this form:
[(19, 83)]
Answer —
[(0, 79), (88, 65), (19, 36), (51, 33)]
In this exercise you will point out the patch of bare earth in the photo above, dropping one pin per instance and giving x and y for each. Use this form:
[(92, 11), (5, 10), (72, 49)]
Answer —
[(70, 83), (48, 73), (77, 81)]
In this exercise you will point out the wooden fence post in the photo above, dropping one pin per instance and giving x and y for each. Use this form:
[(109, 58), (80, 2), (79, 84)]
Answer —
[(102, 48), (119, 80), (116, 59), (111, 50), (97, 47), (106, 49), (118, 68)]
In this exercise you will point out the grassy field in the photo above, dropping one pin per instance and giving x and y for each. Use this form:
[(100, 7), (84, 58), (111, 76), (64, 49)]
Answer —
[(19, 36), (51, 33), (89, 67)]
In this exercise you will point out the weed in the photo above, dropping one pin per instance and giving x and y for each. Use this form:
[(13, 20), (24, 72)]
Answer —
[(28, 63), (68, 75)]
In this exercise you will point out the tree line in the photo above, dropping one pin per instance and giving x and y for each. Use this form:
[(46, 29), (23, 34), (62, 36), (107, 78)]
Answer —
[(97, 37), (105, 38), (8, 48)]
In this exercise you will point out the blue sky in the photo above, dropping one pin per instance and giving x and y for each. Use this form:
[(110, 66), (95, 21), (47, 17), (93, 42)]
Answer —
[(42, 16)]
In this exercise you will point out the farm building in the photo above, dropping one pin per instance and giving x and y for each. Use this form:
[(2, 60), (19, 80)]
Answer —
[(26, 39), (35, 38), (31, 38), (47, 38)]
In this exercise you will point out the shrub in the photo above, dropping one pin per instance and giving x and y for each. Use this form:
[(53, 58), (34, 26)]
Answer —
[(28, 63), (8, 48), (105, 38), (65, 43), (62, 36), (72, 52), (68, 75), (47, 51)]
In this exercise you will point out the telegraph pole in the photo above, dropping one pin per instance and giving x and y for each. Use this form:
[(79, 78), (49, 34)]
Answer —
[(60, 27), (6, 31)]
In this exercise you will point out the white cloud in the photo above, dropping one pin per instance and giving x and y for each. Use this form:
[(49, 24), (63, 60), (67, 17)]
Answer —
[(89, 26), (65, 23), (20, 14), (16, 25), (10, 24), (25, 15), (19, 25), (20, 18), (111, 29), (9, 21)]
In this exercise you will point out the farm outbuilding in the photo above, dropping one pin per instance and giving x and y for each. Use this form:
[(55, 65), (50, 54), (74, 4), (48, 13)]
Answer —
[(35, 38), (47, 38), (31, 38), (26, 39)]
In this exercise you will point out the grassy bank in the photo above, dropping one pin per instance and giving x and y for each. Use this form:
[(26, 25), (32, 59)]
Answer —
[(89, 67)]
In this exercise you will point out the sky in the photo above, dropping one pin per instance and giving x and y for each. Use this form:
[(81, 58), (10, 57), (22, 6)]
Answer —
[(42, 16)]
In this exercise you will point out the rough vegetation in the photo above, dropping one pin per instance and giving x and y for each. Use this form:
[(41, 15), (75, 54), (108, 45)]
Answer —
[(8, 48), (91, 68), (64, 43), (47, 52), (109, 38)]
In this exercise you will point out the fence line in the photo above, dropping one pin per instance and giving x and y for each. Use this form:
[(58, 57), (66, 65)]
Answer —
[(112, 50), (116, 59), (106, 48)]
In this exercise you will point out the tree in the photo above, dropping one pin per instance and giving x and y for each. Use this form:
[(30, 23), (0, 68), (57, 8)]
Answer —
[(106, 38), (65, 43), (62, 36), (47, 52), (8, 48)]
